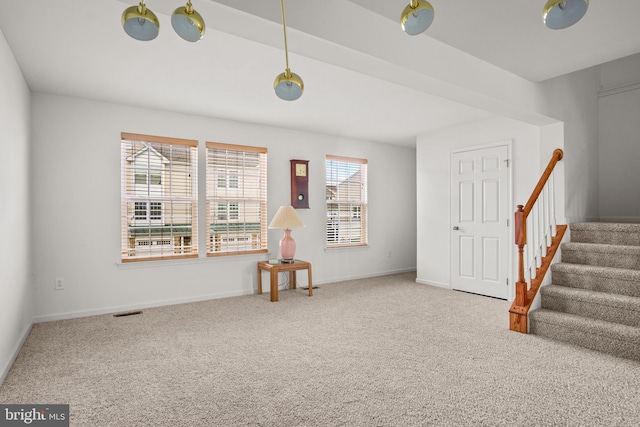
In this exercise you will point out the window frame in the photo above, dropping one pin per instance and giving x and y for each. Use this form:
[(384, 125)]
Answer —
[(345, 213), (133, 225), (243, 190)]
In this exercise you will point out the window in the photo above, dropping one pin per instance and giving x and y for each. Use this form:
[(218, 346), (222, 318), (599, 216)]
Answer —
[(346, 196), (233, 180), (140, 211), (155, 209), (234, 211), (228, 181), (227, 211), (222, 214), (159, 198), (155, 177), (356, 212), (236, 199)]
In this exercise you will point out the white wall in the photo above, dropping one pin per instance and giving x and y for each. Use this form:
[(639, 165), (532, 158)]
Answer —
[(619, 141), (16, 295), (433, 190), (573, 99), (76, 204)]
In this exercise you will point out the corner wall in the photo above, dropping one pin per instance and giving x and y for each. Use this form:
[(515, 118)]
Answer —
[(573, 99), (433, 184), (16, 294), (619, 141), (76, 181)]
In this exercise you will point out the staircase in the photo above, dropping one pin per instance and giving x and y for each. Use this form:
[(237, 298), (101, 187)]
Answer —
[(593, 300)]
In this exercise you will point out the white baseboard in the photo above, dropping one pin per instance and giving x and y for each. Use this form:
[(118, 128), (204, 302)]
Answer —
[(161, 303), (575, 220), (621, 219), (433, 283), (125, 308), (363, 276), (14, 353)]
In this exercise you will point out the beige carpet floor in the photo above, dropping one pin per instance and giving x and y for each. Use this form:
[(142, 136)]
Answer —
[(373, 352)]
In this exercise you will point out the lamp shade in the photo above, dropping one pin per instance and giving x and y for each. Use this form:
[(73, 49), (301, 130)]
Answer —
[(416, 17), (286, 218), (288, 86), (140, 23), (188, 23), (560, 14)]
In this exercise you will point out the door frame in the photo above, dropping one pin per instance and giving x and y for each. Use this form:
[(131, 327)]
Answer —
[(500, 143)]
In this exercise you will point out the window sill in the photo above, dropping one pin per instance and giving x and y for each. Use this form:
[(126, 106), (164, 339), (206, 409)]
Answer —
[(345, 248), (201, 260)]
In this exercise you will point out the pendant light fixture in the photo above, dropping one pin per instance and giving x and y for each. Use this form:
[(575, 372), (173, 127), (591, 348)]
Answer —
[(560, 14), (288, 85), (140, 23), (188, 23), (416, 17)]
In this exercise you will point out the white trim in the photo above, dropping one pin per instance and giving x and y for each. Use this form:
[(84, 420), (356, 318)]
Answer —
[(621, 219), (618, 89), (158, 263), (364, 276), (507, 142), (433, 283), (16, 350), (574, 220), (301, 282), (162, 303), (124, 308), (345, 248)]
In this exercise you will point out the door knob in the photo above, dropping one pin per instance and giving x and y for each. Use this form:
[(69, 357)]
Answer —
[(456, 227)]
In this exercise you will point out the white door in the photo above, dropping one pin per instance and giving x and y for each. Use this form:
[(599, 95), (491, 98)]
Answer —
[(479, 221)]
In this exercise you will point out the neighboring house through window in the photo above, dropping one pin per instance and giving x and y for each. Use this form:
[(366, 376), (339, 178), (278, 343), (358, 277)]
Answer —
[(159, 201), (346, 197), (236, 199)]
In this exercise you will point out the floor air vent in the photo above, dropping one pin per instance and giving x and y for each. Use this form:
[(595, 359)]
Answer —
[(129, 313)]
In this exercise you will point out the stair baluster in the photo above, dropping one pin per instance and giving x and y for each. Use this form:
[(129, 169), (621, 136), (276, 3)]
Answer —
[(545, 244)]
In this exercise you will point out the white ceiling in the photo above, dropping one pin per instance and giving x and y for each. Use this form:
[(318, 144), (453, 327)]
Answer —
[(359, 79)]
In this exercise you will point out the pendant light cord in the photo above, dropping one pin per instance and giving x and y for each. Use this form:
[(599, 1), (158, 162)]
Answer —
[(286, 49)]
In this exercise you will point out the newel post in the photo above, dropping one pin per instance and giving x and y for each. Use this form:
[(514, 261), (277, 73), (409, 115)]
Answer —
[(521, 240)]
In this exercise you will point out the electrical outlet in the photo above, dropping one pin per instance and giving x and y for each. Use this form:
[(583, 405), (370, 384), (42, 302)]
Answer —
[(389, 254), (59, 283)]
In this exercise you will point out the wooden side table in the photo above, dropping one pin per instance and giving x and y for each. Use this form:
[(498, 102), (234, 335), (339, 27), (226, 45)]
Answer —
[(274, 269)]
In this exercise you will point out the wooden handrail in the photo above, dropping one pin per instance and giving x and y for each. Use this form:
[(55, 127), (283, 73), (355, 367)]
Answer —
[(524, 297), (555, 158)]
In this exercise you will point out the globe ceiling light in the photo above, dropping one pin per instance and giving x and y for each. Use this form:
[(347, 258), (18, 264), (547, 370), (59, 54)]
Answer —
[(560, 14), (188, 23), (288, 85), (140, 23), (416, 17)]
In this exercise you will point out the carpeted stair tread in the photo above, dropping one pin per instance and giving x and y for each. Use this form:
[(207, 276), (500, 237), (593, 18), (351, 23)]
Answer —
[(620, 309), (616, 256), (612, 338), (594, 298), (606, 226), (595, 278), (606, 233)]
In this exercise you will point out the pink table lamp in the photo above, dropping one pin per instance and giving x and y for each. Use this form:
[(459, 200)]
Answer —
[(286, 218)]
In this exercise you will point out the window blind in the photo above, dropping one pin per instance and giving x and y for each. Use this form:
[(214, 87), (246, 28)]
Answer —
[(236, 199), (159, 198), (346, 196)]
